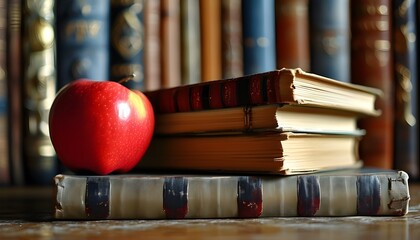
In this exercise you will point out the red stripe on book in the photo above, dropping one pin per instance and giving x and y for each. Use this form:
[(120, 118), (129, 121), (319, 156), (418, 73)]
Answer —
[(249, 197), (215, 96), (255, 90), (196, 97), (229, 93), (166, 101), (182, 98)]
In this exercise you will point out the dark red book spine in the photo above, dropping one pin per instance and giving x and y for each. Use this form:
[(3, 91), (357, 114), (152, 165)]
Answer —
[(257, 89), (371, 65)]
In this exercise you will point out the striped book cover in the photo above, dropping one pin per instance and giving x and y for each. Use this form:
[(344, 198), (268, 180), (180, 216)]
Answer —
[(358, 192)]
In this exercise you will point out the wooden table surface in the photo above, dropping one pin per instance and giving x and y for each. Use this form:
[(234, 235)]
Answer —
[(25, 213)]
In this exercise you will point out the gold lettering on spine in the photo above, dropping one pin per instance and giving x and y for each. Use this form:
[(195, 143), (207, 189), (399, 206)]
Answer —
[(82, 30), (403, 94)]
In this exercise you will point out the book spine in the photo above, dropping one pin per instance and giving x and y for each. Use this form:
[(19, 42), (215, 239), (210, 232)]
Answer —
[(171, 43), (330, 38), (4, 141), (127, 36), (190, 42), (371, 65), (211, 41), (292, 34), (232, 49), (39, 89), (259, 36), (152, 43), (82, 40), (406, 78), (254, 89), (181, 197), (14, 81)]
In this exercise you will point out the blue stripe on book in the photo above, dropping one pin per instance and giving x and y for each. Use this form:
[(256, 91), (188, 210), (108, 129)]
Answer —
[(308, 195), (368, 195), (175, 197), (249, 197), (97, 197)]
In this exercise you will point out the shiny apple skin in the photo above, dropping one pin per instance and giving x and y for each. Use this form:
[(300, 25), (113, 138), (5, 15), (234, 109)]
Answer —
[(100, 126)]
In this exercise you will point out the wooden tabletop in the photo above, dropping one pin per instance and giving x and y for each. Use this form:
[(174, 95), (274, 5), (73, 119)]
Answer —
[(25, 213)]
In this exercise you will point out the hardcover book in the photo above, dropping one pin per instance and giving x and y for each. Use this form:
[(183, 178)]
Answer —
[(266, 151), (211, 40), (266, 117), (190, 42), (292, 34), (170, 36), (337, 193), (39, 89), (232, 48), (82, 40), (259, 36), (329, 22), (152, 44), (406, 82), (127, 39), (285, 86), (372, 65)]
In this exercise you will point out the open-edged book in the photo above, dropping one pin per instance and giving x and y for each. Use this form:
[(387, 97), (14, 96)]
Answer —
[(271, 152)]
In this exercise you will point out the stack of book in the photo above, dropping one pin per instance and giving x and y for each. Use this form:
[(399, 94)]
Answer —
[(278, 143)]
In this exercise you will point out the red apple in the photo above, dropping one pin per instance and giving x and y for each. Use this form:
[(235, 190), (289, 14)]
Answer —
[(100, 126)]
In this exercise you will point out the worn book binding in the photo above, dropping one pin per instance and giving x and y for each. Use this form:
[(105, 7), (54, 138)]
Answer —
[(285, 86), (340, 193)]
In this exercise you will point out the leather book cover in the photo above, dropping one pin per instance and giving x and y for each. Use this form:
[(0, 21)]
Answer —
[(259, 36), (372, 65), (329, 22), (211, 40), (406, 87), (170, 43), (127, 37), (82, 40), (292, 34)]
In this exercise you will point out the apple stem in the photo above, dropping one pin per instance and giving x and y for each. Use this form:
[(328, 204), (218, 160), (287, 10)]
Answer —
[(127, 78)]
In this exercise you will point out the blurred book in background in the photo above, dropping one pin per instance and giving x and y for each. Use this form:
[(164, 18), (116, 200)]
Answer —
[(39, 89)]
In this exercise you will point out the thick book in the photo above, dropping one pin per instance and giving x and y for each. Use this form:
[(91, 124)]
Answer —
[(406, 57), (285, 86), (329, 22), (39, 90), (285, 117), (292, 34), (82, 40), (259, 36), (267, 151), (372, 65), (338, 193), (127, 39)]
